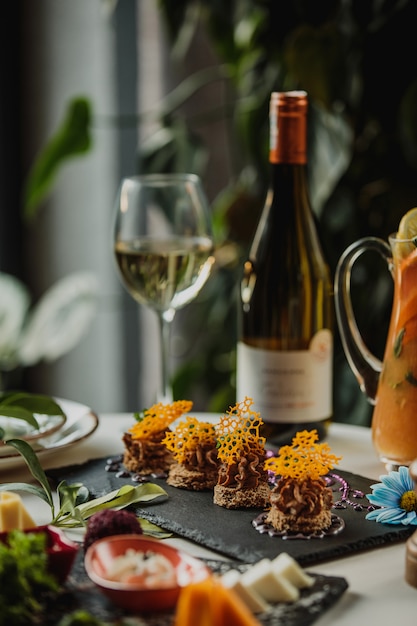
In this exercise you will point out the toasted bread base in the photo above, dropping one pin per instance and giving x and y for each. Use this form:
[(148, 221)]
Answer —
[(287, 522), (193, 480), (232, 498)]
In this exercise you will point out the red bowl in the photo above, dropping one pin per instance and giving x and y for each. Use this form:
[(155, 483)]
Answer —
[(61, 550), (134, 596)]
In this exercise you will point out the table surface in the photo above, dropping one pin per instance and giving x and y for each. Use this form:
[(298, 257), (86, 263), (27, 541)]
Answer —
[(377, 590)]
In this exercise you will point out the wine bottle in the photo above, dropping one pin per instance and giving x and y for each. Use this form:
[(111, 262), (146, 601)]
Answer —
[(285, 345)]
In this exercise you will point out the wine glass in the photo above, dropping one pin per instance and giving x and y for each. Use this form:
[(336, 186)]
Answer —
[(163, 247)]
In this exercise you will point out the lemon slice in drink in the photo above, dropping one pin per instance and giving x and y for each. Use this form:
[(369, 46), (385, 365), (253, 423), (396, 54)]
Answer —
[(408, 230), (408, 225)]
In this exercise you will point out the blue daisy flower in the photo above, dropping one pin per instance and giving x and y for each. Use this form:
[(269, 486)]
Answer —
[(395, 498)]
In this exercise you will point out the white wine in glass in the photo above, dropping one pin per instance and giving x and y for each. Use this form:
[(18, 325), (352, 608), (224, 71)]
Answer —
[(163, 246)]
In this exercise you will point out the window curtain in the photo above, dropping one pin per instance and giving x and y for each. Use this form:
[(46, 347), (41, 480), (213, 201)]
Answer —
[(70, 49)]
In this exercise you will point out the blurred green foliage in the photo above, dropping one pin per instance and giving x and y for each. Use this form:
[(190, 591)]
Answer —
[(72, 139), (355, 60)]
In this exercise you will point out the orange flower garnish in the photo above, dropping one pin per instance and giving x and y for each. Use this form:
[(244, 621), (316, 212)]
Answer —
[(187, 435), (158, 418), (304, 458), (238, 433)]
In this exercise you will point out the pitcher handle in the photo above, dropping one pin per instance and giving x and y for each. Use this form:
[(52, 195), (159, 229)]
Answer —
[(365, 365)]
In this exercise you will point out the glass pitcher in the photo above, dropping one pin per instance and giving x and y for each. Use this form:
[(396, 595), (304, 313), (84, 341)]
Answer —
[(390, 385)]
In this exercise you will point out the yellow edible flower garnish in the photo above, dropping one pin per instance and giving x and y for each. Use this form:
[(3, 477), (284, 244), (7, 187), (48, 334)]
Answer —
[(187, 435), (238, 433), (158, 418), (303, 459)]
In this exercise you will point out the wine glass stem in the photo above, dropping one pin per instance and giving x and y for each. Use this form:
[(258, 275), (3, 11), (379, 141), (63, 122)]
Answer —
[(165, 320)]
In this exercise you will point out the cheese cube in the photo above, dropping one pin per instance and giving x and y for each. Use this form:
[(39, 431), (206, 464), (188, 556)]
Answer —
[(13, 514), (285, 565), (272, 587), (253, 600)]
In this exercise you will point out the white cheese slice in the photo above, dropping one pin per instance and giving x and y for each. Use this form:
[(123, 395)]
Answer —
[(253, 600), (285, 565), (272, 587)]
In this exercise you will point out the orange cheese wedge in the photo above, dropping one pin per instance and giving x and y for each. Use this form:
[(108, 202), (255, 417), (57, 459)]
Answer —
[(209, 603)]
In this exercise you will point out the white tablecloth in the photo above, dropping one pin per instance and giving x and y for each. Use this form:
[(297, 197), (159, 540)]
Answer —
[(377, 593)]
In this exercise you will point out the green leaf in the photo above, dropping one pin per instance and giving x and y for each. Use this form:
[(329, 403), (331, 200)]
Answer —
[(36, 403), (68, 495), (74, 509), (24, 406), (398, 343), (73, 516), (152, 530), (27, 488), (34, 466), (120, 498), (69, 498), (19, 413), (71, 139)]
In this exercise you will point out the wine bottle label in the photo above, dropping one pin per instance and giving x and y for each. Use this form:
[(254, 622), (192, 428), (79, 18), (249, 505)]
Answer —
[(288, 386)]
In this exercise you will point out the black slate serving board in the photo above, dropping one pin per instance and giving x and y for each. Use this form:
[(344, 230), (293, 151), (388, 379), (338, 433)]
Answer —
[(79, 593), (194, 516)]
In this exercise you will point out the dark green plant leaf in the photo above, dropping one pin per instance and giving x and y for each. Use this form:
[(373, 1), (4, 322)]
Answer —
[(36, 403), (34, 466), (75, 508), (70, 496), (24, 406), (152, 530), (19, 413), (398, 343), (27, 488), (120, 498), (73, 138), (83, 494), (74, 516)]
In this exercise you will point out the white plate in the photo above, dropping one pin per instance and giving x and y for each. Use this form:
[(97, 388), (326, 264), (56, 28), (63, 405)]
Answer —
[(81, 422), (13, 427)]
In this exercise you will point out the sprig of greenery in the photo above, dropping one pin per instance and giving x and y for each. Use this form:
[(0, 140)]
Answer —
[(75, 507)]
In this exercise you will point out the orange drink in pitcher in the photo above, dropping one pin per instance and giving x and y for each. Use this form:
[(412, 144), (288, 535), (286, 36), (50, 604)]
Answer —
[(391, 385)]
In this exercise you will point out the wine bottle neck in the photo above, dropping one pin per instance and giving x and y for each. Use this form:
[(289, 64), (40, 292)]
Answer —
[(288, 178), (288, 128)]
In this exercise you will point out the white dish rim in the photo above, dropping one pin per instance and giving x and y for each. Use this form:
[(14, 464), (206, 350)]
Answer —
[(81, 419)]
